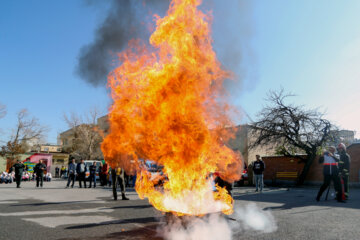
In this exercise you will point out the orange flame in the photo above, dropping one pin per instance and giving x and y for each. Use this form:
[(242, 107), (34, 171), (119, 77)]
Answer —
[(168, 108)]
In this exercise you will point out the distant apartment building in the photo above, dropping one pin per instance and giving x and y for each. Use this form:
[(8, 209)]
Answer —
[(50, 148), (59, 158), (103, 124), (84, 140), (343, 136)]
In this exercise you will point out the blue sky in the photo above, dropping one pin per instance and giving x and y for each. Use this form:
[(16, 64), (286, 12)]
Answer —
[(310, 48)]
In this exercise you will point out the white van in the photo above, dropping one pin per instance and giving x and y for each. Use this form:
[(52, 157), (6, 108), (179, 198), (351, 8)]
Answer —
[(88, 164)]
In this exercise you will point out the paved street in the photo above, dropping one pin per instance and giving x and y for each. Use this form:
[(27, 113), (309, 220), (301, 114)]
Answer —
[(54, 212)]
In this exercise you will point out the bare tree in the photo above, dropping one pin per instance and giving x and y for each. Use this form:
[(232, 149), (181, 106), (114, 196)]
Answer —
[(27, 130), (85, 135), (291, 129)]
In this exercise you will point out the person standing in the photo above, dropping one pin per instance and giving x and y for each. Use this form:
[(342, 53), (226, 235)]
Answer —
[(71, 173), (344, 167), (57, 171), (100, 174), (39, 170), (81, 172), (62, 171), (110, 178), (120, 179), (331, 173), (258, 169), (92, 177), (19, 168), (104, 174)]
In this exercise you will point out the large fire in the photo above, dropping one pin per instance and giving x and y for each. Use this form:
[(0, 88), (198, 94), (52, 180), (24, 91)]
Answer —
[(168, 108)]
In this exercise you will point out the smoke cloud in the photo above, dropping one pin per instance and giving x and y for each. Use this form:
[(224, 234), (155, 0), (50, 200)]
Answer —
[(212, 227), (125, 20), (217, 227), (252, 217), (128, 19)]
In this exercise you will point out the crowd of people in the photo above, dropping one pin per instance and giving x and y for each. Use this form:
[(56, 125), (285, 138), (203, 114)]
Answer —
[(336, 169), (103, 171), (19, 172), (6, 177)]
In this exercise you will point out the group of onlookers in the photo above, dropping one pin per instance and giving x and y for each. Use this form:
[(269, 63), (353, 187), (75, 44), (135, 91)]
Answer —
[(19, 173), (6, 177), (78, 172), (60, 172)]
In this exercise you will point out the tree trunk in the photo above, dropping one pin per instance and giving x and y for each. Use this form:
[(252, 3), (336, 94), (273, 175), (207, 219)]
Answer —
[(306, 169), (114, 183)]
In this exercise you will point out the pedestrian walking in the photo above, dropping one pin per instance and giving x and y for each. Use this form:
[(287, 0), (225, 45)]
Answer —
[(81, 169), (258, 170), (19, 168), (92, 177), (39, 170), (331, 173), (71, 173), (344, 167)]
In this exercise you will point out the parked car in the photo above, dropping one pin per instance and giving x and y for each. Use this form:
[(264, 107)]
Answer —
[(244, 176)]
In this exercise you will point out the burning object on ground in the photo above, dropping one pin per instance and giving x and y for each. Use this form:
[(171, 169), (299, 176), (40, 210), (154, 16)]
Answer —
[(168, 106)]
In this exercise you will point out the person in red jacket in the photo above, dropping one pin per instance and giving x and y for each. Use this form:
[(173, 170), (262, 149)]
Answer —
[(104, 173), (331, 173)]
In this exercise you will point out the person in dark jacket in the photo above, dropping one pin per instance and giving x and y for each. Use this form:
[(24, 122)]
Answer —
[(331, 173), (258, 168), (104, 174), (39, 170), (57, 172), (19, 168), (71, 173), (81, 169), (92, 177), (344, 167)]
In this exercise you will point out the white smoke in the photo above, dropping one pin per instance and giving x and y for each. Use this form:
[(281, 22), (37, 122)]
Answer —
[(217, 227), (212, 227), (251, 217)]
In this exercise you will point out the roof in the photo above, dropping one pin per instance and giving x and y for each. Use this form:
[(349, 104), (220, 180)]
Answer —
[(353, 145)]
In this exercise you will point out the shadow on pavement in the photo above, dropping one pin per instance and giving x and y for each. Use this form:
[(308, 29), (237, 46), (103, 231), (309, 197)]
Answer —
[(298, 197), (143, 233), (52, 203), (131, 220), (134, 206)]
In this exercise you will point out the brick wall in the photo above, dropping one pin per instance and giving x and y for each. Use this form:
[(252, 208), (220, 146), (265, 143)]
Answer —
[(316, 172), (287, 164), (275, 164), (354, 152)]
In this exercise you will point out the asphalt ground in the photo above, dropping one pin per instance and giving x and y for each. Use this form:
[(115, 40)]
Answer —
[(53, 212)]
